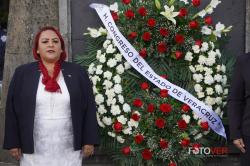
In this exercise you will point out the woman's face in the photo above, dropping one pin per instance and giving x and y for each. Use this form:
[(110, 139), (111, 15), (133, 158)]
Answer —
[(49, 46)]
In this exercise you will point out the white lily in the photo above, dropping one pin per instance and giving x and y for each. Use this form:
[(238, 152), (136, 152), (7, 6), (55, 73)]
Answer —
[(170, 14), (114, 7), (214, 3)]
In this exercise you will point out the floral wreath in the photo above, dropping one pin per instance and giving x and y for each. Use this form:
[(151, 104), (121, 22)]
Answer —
[(181, 44)]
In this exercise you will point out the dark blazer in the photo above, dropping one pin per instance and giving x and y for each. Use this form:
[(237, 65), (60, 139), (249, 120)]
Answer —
[(21, 103), (239, 99)]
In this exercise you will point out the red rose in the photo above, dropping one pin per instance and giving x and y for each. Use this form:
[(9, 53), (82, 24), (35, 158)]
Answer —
[(137, 103), (130, 14), (185, 108), (117, 126), (142, 11), (135, 117), (143, 52), (178, 54), (172, 164), (146, 154), (196, 146), (126, 1), (193, 24), (208, 20), (164, 76), (164, 93), (198, 42), (126, 150), (163, 144), (151, 108), (165, 108), (151, 22), (185, 142), (179, 39), (139, 138), (183, 12), (144, 86), (115, 16), (196, 3), (204, 126), (164, 32), (146, 36), (160, 123), (132, 35), (162, 47), (182, 124)]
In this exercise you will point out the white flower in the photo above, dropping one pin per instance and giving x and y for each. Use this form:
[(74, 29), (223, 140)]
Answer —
[(98, 54), (199, 68), (107, 120), (107, 74), (218, 77), (110, 49), (186, 118), (108, 84), (115, 110), (202, 59), (102, 58), (210, 61), (94, 33), (117, 79), (121, 99), (217, 110), (99, 120), (209, 90), (99, 70), (126, 108), (114, 7), (208, 71), (209, 10), (127, 131), (99, 99), (112, 62), (127, 65), (202, 13), (212, 54), (223, 68), (120, 69), (94, 79), (192, 69), (218, 68), (111, 101), (200, 95), (210, 100), (218, 89), (106, 44), (110, 93), (218, 29), (91, 68), (224, 80), (118, 88), (218, 100), (95, 90), (185, 1), (215, 3), (170, 14), (198, 136), (225, 92), (208, 80), (118, 57), (122, 119), (212, 45), (198, 88), (4, 38), (205, 30), (195, 116), (196, 49), (112, 134), (103, 31), (218, 53), (120, 139), (188, 56), (101, 109), (204, 47), (197, 77), (132, 123)]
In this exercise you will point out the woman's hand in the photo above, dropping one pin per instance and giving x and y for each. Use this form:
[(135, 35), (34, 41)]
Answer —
[(240, 144), (88, 150), (16, 153)]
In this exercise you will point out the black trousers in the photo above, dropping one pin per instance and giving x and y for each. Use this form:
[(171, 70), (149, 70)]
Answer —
[(245, 157)]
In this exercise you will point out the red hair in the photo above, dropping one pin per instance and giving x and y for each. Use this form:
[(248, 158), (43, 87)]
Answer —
[(50, 83), (36, 41)]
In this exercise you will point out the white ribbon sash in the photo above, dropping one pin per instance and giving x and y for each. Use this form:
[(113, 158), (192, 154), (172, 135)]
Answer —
[(135, 60)]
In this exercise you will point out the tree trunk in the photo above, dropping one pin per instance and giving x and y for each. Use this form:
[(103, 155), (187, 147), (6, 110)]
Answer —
[(25, 18)]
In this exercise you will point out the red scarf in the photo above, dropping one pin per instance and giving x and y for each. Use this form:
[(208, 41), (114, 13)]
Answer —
[(50, 83)]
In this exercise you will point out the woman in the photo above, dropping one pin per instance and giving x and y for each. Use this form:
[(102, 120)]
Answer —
[(50, 109), (239, 107)]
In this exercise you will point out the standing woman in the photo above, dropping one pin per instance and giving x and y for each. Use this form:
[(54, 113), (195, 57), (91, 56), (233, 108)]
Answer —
[(50, 109)]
